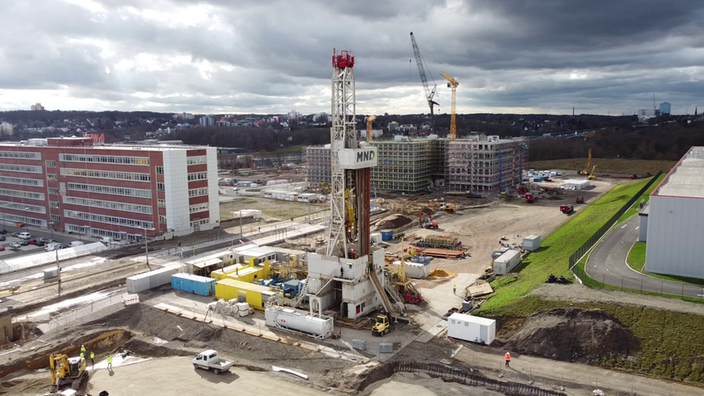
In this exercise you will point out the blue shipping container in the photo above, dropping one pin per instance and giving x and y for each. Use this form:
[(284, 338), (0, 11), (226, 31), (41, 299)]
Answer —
[(193, 284)]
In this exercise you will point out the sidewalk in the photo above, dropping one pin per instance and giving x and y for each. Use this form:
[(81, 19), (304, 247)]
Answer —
[(556, 373)]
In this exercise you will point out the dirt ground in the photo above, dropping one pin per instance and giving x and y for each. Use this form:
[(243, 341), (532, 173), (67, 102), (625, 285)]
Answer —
[(272, 209)]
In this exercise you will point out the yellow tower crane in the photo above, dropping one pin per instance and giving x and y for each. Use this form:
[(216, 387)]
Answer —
[(452, 83), (369, 127)]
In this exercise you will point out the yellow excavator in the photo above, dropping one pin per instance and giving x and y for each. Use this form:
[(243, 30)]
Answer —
[(591, 173), (65, 369), (589, 169)]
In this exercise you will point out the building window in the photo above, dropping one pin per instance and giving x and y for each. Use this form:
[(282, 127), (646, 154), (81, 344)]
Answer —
[(197, 176), (159, 170), (53, 191), (199, 208), (161, 203), (130, 192), (108, 219), (21, 194), (20, 154), (99, 203), (104, 159), (50, 164), (160, 187), (162, 219), (51, 177), (53, 204), (102, 174), (197, 192), (55, 218), (197, 160), (21, 168), (22, 181)]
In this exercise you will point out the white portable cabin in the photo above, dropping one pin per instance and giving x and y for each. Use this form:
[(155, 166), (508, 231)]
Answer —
[(531, 243), (471, 328), (506, 262)]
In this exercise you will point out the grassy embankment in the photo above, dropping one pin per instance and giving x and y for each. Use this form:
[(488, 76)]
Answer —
[(671, 345), (613, 166)]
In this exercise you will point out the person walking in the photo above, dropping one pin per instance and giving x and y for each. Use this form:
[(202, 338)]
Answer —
[(83, 349), (92, 360), (507, 356), (454, 289), (109, 362)]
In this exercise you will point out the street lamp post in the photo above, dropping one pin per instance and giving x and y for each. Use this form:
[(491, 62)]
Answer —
[(51, 227), (146, 246), (240, 224)]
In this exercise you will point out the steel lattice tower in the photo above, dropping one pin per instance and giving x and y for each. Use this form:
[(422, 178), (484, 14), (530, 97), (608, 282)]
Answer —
[(343, 135)]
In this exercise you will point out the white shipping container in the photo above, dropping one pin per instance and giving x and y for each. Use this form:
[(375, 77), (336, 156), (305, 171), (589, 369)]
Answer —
[(137, 283), (300, 321), (531, 243), (506, 262), (471, 328), (161, 277)]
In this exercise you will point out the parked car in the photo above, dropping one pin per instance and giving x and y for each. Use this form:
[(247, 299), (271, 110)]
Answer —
[(24, 242), (45, 240), (16, 234), (3, 231), (24, 235), (38, 243), (15, 245), (2, 237), (75, 243), (2, 248), (32, 241), (209, 360), (50, 247)]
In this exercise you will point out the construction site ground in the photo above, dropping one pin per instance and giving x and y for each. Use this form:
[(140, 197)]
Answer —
[(169, 339)]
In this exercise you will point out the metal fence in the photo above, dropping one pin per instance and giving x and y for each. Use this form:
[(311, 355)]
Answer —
[(471, 379), (582, 250)]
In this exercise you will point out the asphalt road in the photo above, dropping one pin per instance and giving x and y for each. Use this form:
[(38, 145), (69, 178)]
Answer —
[(607, 264), (36, 233)]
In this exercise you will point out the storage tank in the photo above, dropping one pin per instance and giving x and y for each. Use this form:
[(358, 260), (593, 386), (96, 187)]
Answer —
[(387, 235), (300, 321), (415, 270)]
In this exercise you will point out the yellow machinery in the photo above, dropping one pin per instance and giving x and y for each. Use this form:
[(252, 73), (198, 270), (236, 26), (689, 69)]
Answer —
[(591, 173), (382, 325), (370, 119), (452, 83), (589, 168), (65, 369), (405, 288)]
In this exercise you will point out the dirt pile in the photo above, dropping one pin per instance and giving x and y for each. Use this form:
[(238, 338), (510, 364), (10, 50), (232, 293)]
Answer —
[(573, 334), (392, 221), (439, 273)]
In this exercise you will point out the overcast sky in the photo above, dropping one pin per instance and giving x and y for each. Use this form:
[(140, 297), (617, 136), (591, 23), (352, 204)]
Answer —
[(272, 56)]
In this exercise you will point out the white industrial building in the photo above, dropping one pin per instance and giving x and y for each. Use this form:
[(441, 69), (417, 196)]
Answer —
[(674, 220)]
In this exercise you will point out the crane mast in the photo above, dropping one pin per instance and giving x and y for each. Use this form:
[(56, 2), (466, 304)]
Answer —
[(452, 83), (429, 94)]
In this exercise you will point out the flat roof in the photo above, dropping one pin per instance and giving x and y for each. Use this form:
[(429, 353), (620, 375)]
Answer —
[(111, 146), (686, 179)]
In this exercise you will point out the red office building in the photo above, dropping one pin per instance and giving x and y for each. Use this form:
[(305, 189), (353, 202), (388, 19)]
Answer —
[(119, 191)]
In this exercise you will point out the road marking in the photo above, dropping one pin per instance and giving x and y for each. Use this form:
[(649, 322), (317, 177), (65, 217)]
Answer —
[(624, 226), (637, 228)]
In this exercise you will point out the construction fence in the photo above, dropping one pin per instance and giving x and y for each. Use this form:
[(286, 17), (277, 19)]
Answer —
[(589, 244)]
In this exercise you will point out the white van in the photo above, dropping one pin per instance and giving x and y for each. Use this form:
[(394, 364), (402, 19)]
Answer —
[(24, 235), (50, 247)]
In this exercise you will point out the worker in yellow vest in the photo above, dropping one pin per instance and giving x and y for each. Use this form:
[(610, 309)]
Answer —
[(109, 362), (83, 349), (92, 360)]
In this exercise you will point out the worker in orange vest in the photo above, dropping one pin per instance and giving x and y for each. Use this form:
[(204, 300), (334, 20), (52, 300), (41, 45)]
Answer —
[(507, 356)]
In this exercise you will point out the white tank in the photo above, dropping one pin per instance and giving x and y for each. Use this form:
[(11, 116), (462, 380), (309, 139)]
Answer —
[(291, 319)]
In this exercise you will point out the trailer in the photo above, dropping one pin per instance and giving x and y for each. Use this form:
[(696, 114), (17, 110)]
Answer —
[(471, 328), (507, 262), (194, 284), (298, 321)]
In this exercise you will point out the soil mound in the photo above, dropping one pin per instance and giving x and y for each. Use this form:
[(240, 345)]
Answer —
[(439, 273), (575, 335), (393, 221)]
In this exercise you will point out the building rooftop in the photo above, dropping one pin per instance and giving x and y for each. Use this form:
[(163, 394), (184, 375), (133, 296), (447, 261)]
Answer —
[(82, 142), (686, 179)]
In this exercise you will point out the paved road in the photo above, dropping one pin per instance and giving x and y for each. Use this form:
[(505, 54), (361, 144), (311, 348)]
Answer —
[(607, 264)]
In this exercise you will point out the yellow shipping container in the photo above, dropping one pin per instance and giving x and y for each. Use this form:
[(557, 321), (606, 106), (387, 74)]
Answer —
[(222, 273), (255, 295), (250, 274)]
